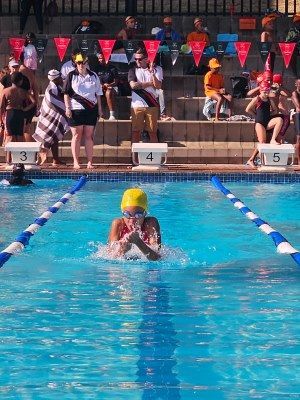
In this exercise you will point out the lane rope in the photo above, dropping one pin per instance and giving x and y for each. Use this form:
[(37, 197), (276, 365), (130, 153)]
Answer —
[(282, 245), (23, 238)]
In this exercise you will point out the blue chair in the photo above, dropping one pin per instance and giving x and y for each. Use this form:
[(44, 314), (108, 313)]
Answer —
[(230, 38)]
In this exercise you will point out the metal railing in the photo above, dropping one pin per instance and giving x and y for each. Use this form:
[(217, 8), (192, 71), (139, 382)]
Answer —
[(161, 7)]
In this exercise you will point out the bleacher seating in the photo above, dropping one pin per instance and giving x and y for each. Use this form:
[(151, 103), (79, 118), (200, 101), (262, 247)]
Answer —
[(190, 138)]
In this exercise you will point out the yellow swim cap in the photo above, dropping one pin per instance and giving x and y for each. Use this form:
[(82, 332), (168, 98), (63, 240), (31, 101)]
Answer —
[(134, 197)]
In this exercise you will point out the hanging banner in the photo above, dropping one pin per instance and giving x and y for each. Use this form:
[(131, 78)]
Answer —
[(106, 47), (197, 50), (84, 45), (174, 49), (130, 48), (40, 45), (16, 45), (220, 48), (287, 50), (151, 48), (242, 49), (61, 46), (264, 50)]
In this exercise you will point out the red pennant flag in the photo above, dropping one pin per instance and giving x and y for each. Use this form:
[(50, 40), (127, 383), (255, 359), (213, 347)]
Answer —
[(242, 49), (16, 45), (287, 50), (61, 46), (151, 48), (106, 47), (197, 49)]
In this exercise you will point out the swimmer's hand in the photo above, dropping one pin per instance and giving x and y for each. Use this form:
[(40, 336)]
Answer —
[(134, 238), (119, 248)]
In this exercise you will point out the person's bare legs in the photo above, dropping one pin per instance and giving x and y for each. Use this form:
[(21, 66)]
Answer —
[(88, 133), (229, 99), (110, 98), (261, 137), (219, 99), (275, 124), (297, 149), (27, 134), (75, 144)]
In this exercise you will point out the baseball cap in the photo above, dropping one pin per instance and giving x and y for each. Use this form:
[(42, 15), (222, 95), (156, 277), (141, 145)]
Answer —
[(197, 20), (214, 63), (129, 18)]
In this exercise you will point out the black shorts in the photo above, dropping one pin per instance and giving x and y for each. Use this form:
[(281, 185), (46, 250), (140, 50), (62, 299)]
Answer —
[(14, 122), (84, 117), (28, 115)]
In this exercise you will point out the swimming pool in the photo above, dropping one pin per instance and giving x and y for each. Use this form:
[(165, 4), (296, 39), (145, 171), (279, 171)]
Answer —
[(217, 318)]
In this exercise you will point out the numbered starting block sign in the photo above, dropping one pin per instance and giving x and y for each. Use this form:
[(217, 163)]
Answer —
[(276, 157), (149, 155), (24, 153)]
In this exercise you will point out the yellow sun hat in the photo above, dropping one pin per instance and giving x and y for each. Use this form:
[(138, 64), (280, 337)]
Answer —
[(134, 197)]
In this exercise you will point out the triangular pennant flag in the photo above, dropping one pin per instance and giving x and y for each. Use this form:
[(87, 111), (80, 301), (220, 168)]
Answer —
[(151, 48), (106, 47), (174, 49), (220, 48), (84, 45), (197, 50), (130, 48), (40, 45), (287, 50), (242, 49), (61, 46), (16, 45), (264, 50)]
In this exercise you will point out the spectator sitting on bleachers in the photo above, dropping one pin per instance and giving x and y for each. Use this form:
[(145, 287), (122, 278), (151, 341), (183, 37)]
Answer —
[(108, 75), (167, 32), (214, 87), (129, 31), (29, 54), (200, 34)]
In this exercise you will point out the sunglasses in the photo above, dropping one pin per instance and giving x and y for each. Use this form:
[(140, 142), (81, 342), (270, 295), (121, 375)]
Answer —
[(140, 59), (138, 214), (80, 62)]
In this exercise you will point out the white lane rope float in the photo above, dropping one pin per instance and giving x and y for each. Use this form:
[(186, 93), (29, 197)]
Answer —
[(283, 246), (23, 238)]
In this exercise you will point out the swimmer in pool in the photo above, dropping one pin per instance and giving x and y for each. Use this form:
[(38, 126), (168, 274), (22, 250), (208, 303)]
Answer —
[(134, 227), (17, 178)]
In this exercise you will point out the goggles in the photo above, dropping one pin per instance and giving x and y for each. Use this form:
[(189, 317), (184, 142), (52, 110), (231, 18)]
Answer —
[(138, 214)]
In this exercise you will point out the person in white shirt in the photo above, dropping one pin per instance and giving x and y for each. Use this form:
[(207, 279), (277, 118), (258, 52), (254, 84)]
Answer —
[(82, 96), (29, 55), (144, 80)]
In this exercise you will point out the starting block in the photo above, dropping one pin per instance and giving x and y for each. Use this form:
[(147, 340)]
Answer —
[(149, 155), (275, 157), (24, 153)]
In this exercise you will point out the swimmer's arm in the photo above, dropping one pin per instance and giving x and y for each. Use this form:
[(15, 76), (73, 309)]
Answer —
[(250, 109), (253, 92), (116, 247), (153, 231), (151, 254)]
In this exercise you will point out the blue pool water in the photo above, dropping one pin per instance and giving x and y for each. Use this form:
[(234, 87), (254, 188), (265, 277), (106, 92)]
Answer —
[(217, 318)]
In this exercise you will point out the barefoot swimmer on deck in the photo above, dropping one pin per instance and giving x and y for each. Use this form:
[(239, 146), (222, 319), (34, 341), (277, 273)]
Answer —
[(134, 227)]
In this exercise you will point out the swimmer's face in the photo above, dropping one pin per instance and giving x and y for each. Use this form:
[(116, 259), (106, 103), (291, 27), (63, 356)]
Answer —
[(134, 216)]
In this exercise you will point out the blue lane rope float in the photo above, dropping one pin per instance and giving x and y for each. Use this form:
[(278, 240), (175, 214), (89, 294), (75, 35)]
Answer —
[(23, 238), (283, 246)]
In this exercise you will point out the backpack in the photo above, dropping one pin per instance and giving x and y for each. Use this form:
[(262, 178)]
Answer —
[(239, 86), (51, 11)]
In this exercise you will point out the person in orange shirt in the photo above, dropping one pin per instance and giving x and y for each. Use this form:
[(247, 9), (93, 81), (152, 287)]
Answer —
[(214, 87), (199, 34)]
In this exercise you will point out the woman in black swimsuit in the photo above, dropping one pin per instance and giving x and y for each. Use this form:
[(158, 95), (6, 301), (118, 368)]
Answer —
[(261, 108), (296, 101)]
